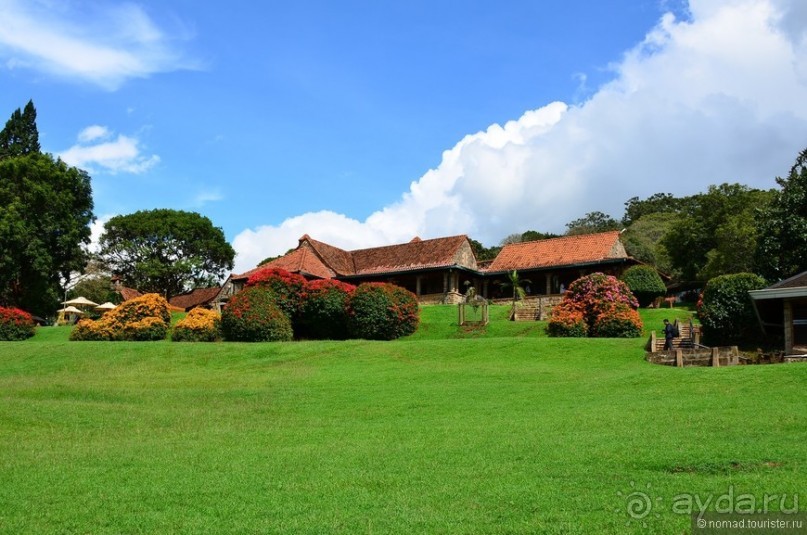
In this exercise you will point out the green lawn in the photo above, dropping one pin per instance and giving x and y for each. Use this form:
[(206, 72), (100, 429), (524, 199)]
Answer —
[(502, 431)]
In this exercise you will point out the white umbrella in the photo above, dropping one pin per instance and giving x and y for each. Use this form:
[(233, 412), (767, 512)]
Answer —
[(70, 310), (81, 301), (106, 306)]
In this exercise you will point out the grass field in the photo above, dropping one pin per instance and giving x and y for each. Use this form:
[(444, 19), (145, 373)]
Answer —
[(448, 431)]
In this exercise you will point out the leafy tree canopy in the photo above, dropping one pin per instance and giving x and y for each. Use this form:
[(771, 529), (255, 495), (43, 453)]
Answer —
[(45, 215), (20, 136), (591, 223), (782, 249), (715, 234), (165, 251)]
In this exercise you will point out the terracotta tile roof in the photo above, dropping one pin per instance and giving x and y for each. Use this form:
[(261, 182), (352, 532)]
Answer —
[(194, 298), (322, 260), (420, 254), (128, 293), (558, 252)]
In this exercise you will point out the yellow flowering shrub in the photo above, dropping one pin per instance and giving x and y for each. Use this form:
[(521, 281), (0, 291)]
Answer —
[(200, 325), (140, 319)]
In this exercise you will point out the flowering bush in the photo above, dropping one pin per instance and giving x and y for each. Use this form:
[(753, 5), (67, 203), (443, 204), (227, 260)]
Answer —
[(567, 320), (726, 312), (286, 287), (200, 325), (144, 318), (252, 316), (323, 310), (381, 311), (617, 321), (645, 283), (16, 324), (606, 305)]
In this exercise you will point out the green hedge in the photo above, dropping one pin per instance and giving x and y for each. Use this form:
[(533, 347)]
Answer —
[(381, 311)]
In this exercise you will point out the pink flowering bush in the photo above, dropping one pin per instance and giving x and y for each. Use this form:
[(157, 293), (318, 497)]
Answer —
[(603, 303), (16, 324)]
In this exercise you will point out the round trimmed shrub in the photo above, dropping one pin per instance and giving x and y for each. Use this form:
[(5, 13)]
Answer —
[(726, 311), (382, 311), (252, 316), (145, 318), (645, 283), (200, 325), (16, 324), (603, 302), (286, 287), (323, 310)]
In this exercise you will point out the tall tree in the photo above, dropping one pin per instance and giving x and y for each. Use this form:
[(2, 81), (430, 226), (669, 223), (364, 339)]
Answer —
[(591, 223), (782, 248), (165, 251), (712, 236), (20, 136), (45, 215), (655, 204)]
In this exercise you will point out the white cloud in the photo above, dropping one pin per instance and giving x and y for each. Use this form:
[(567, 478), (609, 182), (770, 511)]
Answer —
[(96, 148), (93, 133), (102, 43), (718, 97)]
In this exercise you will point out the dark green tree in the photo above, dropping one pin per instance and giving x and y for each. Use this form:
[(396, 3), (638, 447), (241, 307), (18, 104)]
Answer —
[(645, 283), (655, 204), (165, 251), (592, 223), (20, 136), (45, 215), (533, 235), (484, 253), (782, 247), (712, 236), (642, 240)]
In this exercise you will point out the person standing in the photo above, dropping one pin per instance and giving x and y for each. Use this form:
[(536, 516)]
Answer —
[(669, 334)]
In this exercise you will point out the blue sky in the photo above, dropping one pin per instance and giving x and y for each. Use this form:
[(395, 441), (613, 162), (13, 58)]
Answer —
[(366, 123)]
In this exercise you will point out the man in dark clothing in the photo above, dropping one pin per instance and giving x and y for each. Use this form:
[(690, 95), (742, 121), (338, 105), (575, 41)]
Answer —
[(669, 334)]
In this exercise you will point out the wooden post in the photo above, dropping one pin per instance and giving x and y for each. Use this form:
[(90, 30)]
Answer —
[(715, 357), (679, 358)]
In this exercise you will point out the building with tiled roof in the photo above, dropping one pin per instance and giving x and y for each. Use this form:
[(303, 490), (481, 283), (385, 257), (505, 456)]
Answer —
[(442, 269), (552, 264), (198, 297)]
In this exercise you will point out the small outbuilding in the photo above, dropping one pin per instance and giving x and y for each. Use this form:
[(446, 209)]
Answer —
[(782, 308)]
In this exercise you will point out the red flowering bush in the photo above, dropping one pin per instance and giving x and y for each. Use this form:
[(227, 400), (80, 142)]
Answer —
[(323, 310), (200, 325), (606, 305), (16, 324), (252, 316), (381, 311), (145, 318), (286, 287)]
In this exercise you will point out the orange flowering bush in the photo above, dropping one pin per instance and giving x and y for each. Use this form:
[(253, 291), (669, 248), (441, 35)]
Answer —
[(16, 324), (252, 315), (567, 320), (200, 325), (140, 319)]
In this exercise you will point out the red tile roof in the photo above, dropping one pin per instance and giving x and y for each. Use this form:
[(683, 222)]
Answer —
[(796, 281), (128, 293), (322, 260), (194, 298), (421, 254), (559, 252)]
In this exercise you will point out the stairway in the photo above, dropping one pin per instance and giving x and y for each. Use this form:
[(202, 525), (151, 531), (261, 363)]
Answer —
[(528, 311), (688, 336)]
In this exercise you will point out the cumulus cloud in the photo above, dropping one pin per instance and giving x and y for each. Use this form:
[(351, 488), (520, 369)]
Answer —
[(102, 43), (98, 147), (714, 98)]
